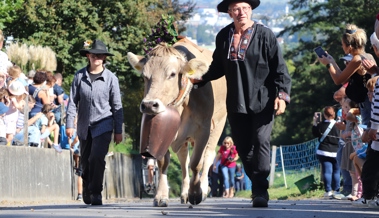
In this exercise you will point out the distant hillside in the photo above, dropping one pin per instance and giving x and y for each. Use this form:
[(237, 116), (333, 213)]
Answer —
[(266, 6)]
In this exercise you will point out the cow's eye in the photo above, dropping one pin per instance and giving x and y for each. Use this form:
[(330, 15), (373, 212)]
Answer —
[(172, 75)]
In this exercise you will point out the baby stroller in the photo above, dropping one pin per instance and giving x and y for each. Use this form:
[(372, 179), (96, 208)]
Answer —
[(147, 187)]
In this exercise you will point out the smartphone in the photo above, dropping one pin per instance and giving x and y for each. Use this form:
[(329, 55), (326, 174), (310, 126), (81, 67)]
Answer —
[(318, 115), (320, 52)]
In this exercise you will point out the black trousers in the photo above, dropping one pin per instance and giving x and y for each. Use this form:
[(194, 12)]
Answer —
[(370, 174), (93, 151), (251, 134)]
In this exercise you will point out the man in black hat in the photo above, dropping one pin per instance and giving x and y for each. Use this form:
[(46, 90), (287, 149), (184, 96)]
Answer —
[(95, 96), (258, 83)]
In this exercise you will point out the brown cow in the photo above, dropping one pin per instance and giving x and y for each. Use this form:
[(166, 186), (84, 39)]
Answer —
[(166, 71)]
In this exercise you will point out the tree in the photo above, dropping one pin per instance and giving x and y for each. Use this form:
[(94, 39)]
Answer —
[(318, 24), (8, 10)]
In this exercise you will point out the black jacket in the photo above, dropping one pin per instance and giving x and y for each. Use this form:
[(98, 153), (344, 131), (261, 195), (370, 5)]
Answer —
[(330, 143), (253, 84)]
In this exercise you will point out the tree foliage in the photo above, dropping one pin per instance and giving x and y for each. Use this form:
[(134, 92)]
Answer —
[(317, 24)]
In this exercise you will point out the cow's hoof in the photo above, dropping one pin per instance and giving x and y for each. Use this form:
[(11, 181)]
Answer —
[(195, 199), (184, 200), (160, 203)]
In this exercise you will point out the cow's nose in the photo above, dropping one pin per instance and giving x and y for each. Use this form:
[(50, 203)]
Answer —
[(151, 106)]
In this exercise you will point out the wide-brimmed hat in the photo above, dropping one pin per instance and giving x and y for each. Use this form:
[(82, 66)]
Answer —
[(98, 47), (17, 88), (3, 108), (223, 6)]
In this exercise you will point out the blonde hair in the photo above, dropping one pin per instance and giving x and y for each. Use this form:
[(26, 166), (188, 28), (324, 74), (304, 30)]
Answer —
[(228, 139), (14, 71), (354, 37)]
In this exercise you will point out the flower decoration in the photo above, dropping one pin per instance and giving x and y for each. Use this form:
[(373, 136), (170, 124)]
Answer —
[(163, 31), (87, 43)]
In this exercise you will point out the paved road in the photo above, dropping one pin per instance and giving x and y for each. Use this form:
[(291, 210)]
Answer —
[(212, 207)]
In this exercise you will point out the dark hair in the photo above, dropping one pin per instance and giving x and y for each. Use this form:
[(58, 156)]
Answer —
[(50, 80), (330, 112), (40, 77)]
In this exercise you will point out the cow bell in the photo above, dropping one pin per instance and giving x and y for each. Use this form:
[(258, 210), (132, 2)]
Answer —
[(158, 131)]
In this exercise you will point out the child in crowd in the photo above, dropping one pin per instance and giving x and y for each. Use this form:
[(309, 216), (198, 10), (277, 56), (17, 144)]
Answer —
[(355, 132), (46, 125), (15, 74), (346, 163), (34, 135), (3, 110), (17, 93)]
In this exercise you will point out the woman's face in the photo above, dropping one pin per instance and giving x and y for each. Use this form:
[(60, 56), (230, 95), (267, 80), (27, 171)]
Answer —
[(346, 48)]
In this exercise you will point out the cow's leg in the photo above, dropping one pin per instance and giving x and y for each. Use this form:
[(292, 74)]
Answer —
[(183, 156), (195, 192), (161, 197), (209, 155)]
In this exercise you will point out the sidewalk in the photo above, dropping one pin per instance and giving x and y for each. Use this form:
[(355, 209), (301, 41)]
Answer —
[(212, 207)]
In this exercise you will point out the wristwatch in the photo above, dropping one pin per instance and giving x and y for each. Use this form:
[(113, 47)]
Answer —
[(328, 65)]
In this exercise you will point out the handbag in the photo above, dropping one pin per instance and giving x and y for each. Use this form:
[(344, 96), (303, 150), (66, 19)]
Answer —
[(356, 89), (332, 122)]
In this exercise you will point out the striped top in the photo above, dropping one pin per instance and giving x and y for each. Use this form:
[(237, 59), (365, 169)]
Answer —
[(98, 104), (375, 116)]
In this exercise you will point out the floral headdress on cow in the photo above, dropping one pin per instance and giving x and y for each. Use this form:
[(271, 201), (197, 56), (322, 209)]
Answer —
[(163, 31)]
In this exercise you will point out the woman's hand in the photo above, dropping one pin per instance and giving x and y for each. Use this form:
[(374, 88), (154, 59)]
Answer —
[(326, 60)]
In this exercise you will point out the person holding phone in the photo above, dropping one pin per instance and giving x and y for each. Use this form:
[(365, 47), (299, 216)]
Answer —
[(353, 42)]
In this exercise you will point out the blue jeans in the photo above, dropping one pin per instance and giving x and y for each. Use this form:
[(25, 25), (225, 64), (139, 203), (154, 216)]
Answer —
[(228, 174), (330, 173), (347, 183), (365, 109)]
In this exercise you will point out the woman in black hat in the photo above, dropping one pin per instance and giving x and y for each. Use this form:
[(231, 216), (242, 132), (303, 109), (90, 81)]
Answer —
[(258, 84), (95, 98)]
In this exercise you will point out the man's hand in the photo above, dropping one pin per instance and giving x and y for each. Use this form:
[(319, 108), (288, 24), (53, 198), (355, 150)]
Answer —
[(279, 106), (117, 138), (70, 132)]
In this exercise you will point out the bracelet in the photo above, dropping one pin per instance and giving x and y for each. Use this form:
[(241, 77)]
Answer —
[(329, 65)]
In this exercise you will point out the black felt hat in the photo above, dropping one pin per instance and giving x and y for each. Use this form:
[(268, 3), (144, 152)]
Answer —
[(98, 47), (223, 6)]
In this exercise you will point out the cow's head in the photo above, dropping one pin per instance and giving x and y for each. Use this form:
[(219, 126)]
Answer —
[(166, 72)]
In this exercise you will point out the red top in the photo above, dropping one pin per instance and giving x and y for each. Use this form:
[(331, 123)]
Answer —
[(225, 154)]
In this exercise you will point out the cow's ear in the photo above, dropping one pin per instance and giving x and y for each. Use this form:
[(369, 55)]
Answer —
[(195, 68), (136, 61)]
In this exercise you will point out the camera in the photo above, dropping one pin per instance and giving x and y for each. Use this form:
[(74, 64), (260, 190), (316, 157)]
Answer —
[(230, 159)]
